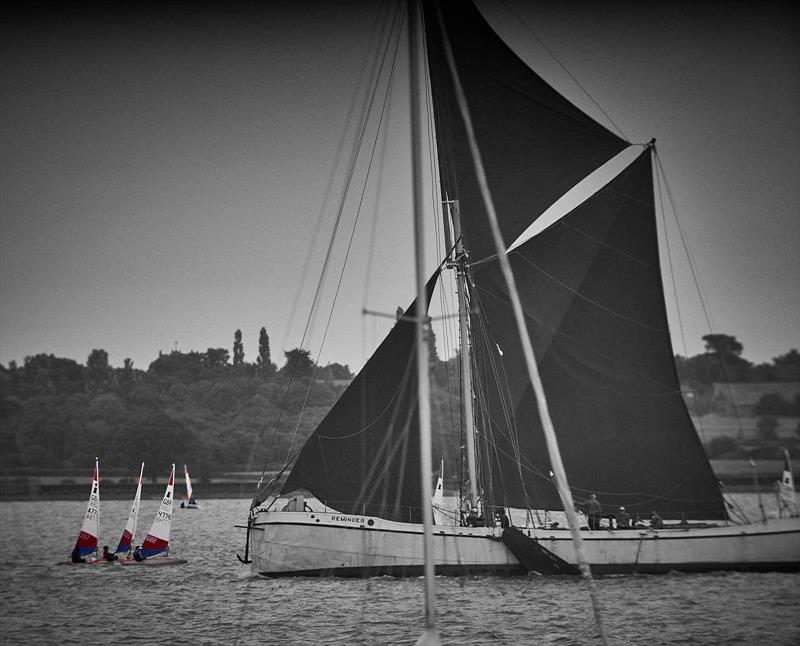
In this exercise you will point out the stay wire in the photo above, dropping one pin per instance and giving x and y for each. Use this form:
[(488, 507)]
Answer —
[(699, 287), (352, 231), (381, 19), (566, 71), (326, 264)]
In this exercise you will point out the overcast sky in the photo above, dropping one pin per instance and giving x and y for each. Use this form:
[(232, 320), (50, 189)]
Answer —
[(164, 172)]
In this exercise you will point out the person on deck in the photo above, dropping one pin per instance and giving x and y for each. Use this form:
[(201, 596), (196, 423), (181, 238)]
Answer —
[(504, 521), (656, 522), (623, 519), (593, 511), (137, 554), (76, 557), (108, 556), (473, 520)]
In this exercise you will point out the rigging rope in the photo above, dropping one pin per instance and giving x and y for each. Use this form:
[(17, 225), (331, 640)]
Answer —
[(353, 228), (698, 287), (320, 283)]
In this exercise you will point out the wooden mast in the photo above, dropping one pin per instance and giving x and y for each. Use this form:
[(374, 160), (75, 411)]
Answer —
[(430, 636)]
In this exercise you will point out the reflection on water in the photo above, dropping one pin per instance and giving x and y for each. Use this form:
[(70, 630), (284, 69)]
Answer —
[(214, 600)]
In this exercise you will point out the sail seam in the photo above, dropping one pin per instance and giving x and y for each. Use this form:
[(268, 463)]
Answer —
[(592, 301), (562, 223)]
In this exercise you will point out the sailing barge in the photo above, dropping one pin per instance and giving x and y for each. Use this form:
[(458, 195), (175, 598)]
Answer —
[(593, 301)]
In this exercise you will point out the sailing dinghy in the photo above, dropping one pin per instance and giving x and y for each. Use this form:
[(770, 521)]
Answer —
[(86, 544), (155, 548), (593, 307), (126, 540), (190, 503)]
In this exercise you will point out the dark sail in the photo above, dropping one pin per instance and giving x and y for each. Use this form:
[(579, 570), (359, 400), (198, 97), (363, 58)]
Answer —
[(593, 299), (535, 144), (364, 456)]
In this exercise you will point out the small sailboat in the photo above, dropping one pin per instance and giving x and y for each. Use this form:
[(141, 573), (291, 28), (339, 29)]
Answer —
[(126, 540), (190, 503), (86, 544), (154, 551)]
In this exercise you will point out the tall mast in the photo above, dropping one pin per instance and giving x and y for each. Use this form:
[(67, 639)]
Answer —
[(460, 265), (430, 637)]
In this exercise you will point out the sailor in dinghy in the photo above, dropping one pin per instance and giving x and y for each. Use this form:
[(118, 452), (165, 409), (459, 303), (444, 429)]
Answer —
[(86, 544), (155, 548)]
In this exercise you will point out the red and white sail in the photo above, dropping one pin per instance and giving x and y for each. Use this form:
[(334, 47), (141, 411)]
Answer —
[(90, 530), (130, 527), (157, 540), (190, 501)]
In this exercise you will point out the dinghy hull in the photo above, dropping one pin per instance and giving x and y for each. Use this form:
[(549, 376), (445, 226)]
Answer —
[(331, 544)]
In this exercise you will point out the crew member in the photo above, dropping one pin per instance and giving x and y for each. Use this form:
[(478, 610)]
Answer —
[(623, 519), (593, 511)]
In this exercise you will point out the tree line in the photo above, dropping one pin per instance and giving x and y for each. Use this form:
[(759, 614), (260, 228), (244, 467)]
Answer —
[(722, 362), (216, 412), (211, 410)]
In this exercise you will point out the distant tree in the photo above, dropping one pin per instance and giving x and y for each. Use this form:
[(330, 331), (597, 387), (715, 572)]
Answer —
[(766, 427), (723, 344), (787, 366), (238, 348), (126, 374), (298, 363), (188, 366), (720, 363), (335, 371), (98, 369), (217, 357), (161, 438), (264, 360), (721, 447), (764, 372), (774, 404), (98, 360)]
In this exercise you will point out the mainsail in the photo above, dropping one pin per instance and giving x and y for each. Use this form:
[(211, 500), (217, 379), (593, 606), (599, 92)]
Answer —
[(534, 143), (364, 456), (594, 304), (157, 540), (129, 532), (90, 530)]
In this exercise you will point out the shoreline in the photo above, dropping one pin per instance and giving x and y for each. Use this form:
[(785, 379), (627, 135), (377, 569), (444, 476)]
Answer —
[(736, 476)]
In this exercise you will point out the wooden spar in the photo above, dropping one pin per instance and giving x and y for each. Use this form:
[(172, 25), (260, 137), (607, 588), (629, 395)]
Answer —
[(466, 361), (430, 636)]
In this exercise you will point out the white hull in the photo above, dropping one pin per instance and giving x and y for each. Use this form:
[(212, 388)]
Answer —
[(312, 544)]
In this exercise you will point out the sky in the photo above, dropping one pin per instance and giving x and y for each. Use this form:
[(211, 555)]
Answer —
[(168, 176)]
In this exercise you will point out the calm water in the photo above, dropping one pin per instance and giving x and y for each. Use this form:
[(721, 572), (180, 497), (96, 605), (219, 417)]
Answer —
[(214, 600)]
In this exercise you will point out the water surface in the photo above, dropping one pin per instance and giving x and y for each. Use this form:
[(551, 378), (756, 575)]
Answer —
[(215, 600)]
